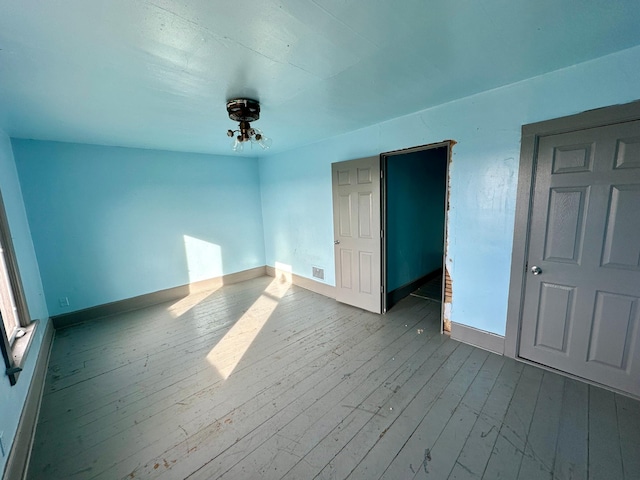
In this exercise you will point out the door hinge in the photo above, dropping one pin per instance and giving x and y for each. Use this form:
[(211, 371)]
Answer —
[(381, 233), (381, 173), (381, 289)]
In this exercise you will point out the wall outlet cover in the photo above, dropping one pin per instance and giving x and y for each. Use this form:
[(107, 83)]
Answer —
[(318, 272)]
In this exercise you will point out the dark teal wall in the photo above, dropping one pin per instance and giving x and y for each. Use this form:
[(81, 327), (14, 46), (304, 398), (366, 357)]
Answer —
[(416, 189)]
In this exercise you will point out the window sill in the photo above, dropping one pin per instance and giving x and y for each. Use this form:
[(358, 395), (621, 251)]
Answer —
[(20, 349)]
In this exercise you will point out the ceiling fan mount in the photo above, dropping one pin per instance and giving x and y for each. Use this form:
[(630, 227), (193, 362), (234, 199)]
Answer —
[(243, 110)]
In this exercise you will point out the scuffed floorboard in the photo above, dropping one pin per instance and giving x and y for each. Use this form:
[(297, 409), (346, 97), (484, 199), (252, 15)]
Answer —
[(267, 380)]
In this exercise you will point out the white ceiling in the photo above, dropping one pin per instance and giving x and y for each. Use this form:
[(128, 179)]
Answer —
[(157, 74)]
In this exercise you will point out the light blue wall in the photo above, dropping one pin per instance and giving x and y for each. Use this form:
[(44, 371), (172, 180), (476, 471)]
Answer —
[(296, 197), (112, 223), (12, 398), (296, 185), (416, 188)]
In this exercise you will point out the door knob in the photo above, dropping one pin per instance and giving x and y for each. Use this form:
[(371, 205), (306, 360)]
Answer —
[(536, 270), (336, 242)]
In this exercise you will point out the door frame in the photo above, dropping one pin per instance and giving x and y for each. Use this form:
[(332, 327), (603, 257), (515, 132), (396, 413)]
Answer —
[(383, 210), (531, 134)]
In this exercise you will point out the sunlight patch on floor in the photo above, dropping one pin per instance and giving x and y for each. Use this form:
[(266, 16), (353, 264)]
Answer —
[(185, 304), (226, 355)]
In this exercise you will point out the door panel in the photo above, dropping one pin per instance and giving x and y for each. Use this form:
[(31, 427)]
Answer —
[(580, 313), (612, 329), (628, 153), (565, 224), (623, 224), (356, 217), (573, 158), (365, 213), (344, 215), (555, 316), (346, 260), (366, 272)]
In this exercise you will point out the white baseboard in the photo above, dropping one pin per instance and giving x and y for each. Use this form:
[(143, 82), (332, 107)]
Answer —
[(306, 283), (217, 282), (478, 338), (154, 298)]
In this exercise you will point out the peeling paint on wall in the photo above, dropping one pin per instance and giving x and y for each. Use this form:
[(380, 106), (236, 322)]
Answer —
[(448, 285), (448, 300)]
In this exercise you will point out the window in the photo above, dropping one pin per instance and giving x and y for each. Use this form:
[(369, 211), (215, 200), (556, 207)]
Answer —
[(8, 308), (13, 307)]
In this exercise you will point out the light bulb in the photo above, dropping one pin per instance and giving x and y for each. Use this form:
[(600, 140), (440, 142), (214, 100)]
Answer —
[(264, 142), (237, 146)]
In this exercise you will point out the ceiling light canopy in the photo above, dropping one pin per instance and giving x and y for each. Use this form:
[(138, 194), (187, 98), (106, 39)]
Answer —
[(244, 111)]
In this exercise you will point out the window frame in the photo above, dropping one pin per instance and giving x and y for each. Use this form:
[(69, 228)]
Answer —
[(8, 347), (8, 308)]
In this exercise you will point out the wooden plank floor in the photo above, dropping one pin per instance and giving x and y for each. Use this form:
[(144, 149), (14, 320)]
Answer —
[(267, 380)]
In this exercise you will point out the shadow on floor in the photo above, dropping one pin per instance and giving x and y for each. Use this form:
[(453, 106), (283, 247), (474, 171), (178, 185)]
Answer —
[(431, 290)]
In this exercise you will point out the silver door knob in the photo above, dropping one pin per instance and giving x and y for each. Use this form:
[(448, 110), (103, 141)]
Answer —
[(536, 270), (336, 242)]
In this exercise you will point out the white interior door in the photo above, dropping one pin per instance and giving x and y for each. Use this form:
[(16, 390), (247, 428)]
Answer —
[(581, 310), (356, 226)]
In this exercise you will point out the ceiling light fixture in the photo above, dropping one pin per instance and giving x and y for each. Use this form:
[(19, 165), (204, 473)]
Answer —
[(244, 111)]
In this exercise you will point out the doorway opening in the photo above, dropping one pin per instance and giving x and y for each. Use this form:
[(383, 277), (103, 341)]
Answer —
[(414, 217)]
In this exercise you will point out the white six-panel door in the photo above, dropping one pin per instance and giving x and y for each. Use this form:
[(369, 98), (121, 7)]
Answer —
[(356, 226), (581, 310)]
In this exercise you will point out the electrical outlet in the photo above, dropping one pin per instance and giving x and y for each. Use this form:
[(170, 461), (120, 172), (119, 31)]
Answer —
[(2, 444), (64, 301), (318, 272)]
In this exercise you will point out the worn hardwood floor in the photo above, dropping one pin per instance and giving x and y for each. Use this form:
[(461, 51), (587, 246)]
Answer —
[(265, 380)]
